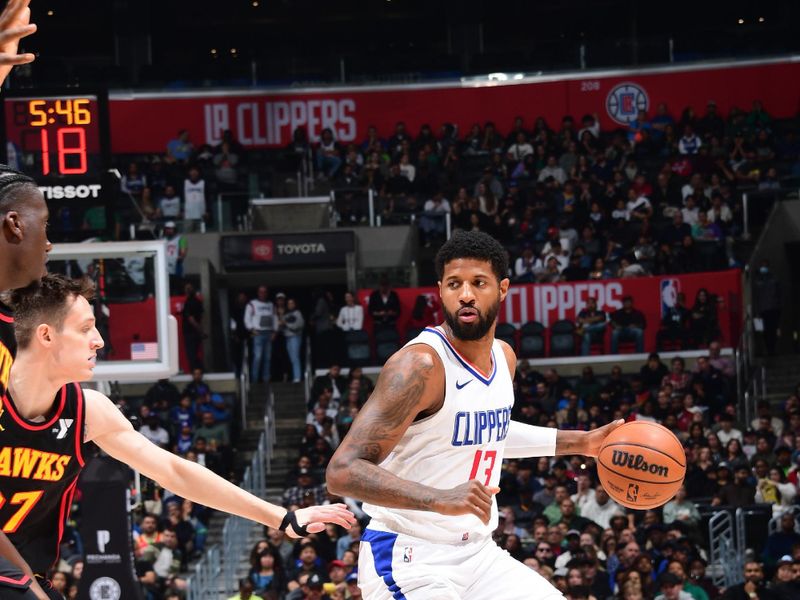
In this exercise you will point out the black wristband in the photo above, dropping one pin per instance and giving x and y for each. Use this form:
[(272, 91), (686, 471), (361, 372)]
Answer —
[(291, 519)]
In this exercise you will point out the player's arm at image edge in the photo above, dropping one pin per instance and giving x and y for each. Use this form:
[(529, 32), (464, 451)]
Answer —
[(114, 434), (411, 383)]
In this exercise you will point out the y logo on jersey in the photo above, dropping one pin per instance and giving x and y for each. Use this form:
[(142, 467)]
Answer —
[(407, 553), (460, 385), (63, 428)]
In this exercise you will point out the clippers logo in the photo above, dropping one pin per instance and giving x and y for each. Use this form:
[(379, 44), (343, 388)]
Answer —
[(632, 493), (262, 250), (624, 102), (407, 553), (670, 288)]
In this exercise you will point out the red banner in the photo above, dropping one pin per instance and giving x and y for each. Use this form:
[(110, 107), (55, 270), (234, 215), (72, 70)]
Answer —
[(144, 123), (548, 303)]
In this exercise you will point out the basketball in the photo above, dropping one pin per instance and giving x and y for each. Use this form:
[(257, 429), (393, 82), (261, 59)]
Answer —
[(641, 465)]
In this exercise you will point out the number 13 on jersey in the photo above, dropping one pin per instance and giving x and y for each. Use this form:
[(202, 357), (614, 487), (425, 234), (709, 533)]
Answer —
[(482, 465)]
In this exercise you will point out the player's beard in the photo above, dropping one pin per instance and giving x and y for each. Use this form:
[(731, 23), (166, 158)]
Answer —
[(469, 332)]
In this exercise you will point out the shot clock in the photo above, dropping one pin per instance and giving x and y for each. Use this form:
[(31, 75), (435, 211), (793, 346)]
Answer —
[(62, 141)]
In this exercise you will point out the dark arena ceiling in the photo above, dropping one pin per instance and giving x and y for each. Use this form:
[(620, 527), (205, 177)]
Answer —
[(144, 43)]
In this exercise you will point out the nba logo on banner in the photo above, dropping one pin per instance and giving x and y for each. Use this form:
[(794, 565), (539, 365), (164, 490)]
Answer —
[(624, 102), (670, 288), (407, 552)]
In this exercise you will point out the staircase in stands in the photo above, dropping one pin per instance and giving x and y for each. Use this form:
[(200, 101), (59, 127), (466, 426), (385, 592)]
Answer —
[(783, 375), (290, 418)]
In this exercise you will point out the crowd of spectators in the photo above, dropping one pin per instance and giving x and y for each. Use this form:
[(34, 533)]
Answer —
[(196, 424), (555, 516), (169, 531), (662, 196)]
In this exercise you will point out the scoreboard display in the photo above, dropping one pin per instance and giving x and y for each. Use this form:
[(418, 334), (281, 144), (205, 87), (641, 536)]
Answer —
[(62, 141), (55, 137)]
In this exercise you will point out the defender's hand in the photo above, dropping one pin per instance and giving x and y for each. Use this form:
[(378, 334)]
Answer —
[(314, 518)]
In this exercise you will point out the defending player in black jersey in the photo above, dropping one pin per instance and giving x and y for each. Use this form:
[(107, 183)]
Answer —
[(23, 241), (48, 419)]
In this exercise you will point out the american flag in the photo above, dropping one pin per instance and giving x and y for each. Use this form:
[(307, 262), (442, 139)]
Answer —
[(144, 351)]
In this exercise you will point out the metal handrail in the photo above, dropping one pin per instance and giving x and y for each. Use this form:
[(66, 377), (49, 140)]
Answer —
[(203, 584), (266, 443), (723, 549), (308, 376), (244, 384), (236, 529)]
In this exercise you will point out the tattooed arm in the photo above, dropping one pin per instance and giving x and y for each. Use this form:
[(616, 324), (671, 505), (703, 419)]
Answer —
[(524, 441), (410, 386)]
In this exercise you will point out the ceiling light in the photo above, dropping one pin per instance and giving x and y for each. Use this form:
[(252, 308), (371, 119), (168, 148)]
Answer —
[(740, 21)]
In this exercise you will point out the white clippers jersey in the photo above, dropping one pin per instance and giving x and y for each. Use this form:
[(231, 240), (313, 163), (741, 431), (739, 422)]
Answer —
[(463, 441)]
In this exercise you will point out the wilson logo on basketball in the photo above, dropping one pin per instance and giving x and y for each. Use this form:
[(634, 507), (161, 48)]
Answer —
[(637, 463)]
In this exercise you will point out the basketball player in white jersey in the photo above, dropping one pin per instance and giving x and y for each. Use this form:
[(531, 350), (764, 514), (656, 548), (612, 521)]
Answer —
[(425, 452)]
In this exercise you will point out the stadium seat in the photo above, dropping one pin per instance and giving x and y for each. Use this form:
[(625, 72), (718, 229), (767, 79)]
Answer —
[(357, 348), (562, 338), (387, 342), (508, 333), (531, 340)]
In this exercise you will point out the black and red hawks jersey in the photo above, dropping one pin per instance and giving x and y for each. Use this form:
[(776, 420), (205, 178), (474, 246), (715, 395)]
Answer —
[(39, 464), (8, 347)]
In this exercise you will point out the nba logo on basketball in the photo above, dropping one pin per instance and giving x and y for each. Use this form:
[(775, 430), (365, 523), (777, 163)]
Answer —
[(670, 288), (633, 492), (407, 551)]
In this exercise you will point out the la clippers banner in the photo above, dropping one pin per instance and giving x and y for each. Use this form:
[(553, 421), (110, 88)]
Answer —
[(548, 303), (145, 122), (106, 533)]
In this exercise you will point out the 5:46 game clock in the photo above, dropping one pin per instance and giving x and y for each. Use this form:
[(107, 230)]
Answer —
[(62, 141)]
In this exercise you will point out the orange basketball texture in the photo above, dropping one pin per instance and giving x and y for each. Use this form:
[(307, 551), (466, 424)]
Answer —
[(641, 464)]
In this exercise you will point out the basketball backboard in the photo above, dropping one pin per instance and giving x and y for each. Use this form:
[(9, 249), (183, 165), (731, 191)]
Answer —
[(132, 306)]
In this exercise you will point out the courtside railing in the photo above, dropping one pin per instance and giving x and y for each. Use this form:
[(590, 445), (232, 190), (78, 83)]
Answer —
[(215, 573), (236, 530)]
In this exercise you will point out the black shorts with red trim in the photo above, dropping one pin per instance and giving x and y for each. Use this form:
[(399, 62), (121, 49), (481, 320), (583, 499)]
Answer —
[(15, 585)]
